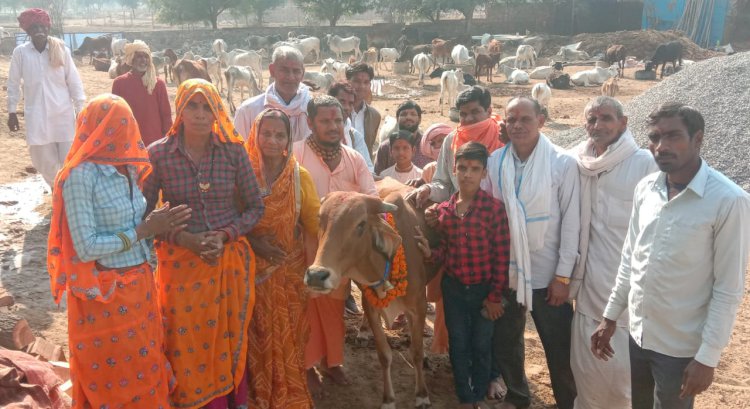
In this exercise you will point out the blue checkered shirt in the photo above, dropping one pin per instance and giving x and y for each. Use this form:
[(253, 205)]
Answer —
[(99, 204)]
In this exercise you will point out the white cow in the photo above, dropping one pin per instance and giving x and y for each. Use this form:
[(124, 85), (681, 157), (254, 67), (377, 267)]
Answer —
[(113, 68), (242, 77), (388, 55), (594, 76), (118, 47), (450, 83), (190, 56), (335, 68), (304, 45), (252, 59), (219, 47), (460, 54), (213, 67), (514, 75), (542, 93), (525, 54), (343, 45), (320, 81), (566, 54), (541, 72), (422, 63)]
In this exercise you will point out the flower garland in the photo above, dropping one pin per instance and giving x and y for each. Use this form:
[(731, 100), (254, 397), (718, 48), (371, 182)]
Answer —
[(397, 277)]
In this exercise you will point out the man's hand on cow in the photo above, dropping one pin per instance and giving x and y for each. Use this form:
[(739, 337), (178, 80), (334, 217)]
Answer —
[(13, 122), (431, 216), (419, 197), (600, 345), (265, 247), (495, 310), (696, 379), (557, 293), (422, 243)]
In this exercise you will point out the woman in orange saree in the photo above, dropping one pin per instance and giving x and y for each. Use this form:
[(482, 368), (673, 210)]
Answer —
[(97, 252), (279, 330), (205, 273)]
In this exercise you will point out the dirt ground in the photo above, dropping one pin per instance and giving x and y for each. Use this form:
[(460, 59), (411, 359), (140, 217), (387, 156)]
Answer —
[(23, 236)]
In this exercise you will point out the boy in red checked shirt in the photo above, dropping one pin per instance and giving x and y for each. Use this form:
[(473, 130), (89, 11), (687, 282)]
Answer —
[(475, 251)]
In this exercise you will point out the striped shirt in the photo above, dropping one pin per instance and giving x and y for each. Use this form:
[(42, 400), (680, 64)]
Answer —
[(225, 169), (99, 203)]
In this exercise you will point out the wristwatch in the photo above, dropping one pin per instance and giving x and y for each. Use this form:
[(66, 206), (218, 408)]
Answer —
[(564, 280)]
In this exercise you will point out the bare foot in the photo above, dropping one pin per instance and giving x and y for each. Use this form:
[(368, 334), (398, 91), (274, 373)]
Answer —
[(314, 384), (337, 375)]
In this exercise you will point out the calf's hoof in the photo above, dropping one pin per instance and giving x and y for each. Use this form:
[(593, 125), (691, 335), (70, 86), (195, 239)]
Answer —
[(422, 402)]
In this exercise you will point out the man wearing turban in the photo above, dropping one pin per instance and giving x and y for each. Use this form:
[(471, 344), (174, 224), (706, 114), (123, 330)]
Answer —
[(52, 92), (145, 92)]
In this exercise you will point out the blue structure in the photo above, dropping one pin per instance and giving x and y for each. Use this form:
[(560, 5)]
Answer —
[(666, 14), (72, 40)]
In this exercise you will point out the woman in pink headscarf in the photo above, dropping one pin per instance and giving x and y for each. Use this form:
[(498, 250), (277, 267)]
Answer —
[(430, 146)]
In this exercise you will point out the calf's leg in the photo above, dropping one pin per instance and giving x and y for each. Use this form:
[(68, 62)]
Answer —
[(385, 355)]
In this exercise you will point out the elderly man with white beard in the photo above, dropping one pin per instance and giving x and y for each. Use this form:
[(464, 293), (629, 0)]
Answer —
[(611, 165)]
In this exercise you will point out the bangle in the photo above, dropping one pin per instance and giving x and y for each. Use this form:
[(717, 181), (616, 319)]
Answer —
[(126, 243), (564, 280)]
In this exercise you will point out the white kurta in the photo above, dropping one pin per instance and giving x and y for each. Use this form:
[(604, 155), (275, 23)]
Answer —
[(52, 96)]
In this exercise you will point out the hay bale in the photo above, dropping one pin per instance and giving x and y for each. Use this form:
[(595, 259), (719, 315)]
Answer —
[(719, 88)]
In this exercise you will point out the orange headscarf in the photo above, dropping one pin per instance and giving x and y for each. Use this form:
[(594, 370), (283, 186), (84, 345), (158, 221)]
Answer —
[(106, 133), (486, 132), (222, 127)]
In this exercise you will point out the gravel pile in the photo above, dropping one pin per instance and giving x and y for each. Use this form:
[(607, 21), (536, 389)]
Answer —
[(720, 89), (641, 43)]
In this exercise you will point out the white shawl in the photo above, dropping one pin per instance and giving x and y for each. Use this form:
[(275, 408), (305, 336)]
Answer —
[(528, 208), (590, 167), (296, 110)]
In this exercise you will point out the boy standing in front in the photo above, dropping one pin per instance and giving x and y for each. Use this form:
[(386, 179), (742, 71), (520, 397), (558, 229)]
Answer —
[(402, 151), (475, 250)]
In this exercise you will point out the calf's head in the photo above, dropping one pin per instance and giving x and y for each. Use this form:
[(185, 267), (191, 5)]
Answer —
[(355, 241)]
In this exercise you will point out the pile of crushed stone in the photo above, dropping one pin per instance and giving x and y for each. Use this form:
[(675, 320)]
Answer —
[(640, 44), (720, 89)]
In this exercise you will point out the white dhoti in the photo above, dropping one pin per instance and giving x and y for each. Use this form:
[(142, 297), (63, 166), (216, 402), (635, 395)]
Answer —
[(49, 158), (600, 384)]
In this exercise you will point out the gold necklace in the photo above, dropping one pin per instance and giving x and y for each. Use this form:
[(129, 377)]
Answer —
[(204, 187)]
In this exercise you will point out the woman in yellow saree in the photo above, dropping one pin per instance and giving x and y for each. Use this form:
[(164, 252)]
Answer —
[(279, 329)]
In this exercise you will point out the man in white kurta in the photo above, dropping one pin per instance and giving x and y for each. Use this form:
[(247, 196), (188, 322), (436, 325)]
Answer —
[(52, 92), (286, 93), (610, 165), (682, 270)]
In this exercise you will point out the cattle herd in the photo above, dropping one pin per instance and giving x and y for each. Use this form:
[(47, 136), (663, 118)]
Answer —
[(456, 61)]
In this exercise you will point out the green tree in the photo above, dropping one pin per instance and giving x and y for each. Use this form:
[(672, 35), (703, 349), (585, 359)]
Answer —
[(131, 5), (257, 8), (189, 11), (333, 10)]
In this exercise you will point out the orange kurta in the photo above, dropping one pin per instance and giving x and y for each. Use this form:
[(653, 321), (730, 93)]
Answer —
[(280, 329)]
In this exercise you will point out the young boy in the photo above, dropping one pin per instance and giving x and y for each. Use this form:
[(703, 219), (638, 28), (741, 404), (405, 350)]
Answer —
[(403, 147), (475, 251)]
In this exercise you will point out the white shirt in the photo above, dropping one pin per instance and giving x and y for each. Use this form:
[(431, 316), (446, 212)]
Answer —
[(249, 110), (358, 119), (403, 177), (610, 214), (52, 96), (683, 263), (558, 256), (356, 140)]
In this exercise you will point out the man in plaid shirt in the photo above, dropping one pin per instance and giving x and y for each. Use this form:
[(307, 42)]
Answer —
[(475, 250)]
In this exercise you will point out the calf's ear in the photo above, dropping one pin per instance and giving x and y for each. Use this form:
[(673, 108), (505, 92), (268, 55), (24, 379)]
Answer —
[(385, 239)]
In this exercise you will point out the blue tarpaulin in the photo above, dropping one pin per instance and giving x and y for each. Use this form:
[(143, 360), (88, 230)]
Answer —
[(72, 40), (666, 14)]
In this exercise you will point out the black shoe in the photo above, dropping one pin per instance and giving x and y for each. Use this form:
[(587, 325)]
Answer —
[(351, 306)]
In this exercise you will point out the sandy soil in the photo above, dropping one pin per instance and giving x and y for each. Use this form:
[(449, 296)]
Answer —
[(23, 248)]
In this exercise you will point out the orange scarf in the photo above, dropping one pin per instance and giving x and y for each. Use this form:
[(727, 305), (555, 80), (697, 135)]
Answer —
[(223, 126), (106, 133), (486, 132)]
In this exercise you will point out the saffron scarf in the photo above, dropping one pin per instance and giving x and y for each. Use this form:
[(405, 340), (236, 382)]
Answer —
[(222, 127), (106, 133), (486, 132)]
